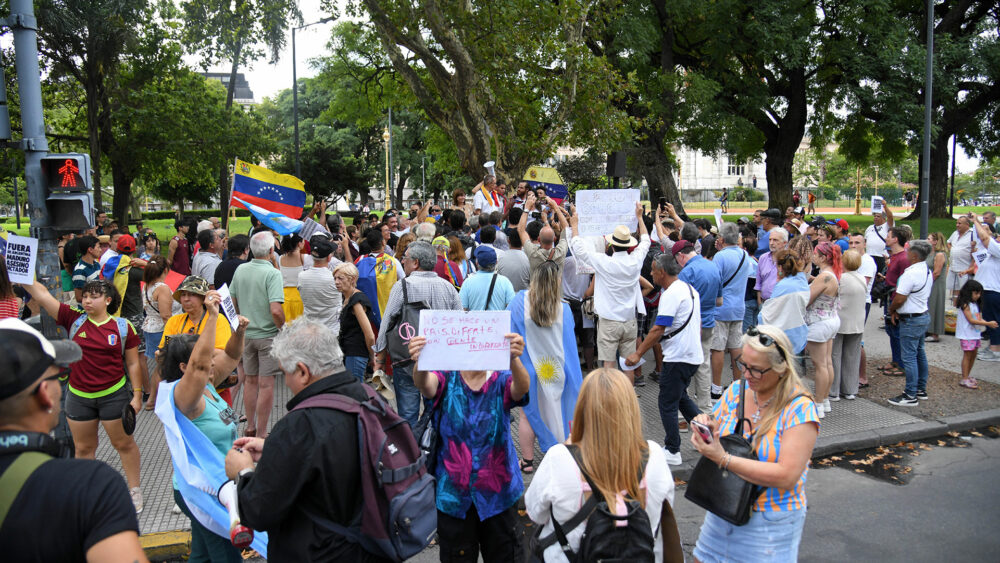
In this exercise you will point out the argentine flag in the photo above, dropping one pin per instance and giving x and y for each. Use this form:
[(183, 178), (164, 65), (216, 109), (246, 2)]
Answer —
[(272, 220), (199, 467)]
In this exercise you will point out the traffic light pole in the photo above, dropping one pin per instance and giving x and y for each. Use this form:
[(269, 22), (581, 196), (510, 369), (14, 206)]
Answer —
[(23, 23)]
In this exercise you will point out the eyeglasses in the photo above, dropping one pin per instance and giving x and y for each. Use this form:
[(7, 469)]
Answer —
[(752, 372), (766, 340), (435, 211)]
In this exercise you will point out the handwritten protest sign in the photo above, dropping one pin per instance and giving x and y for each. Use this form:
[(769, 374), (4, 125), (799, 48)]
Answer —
[(464, 340), (227, 307), (877, 204), (603, 210), (20, 254)]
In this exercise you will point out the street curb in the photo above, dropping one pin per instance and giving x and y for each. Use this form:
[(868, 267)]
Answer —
[(876, 437), (166, 546)]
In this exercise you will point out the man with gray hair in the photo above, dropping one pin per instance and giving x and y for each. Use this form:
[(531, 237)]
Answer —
[(489, 196), (308, 471), (422, 284), (425, 232), (677, 330), (909, 312), (258, 294), (876, 234), (734, 266)]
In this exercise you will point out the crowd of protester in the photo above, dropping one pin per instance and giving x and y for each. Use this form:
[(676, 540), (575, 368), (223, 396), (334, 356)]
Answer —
[(315, 309)]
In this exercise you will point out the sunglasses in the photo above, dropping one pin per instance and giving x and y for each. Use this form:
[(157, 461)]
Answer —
[(766, 340)]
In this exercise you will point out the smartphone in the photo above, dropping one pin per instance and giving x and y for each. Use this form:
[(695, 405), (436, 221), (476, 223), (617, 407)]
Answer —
[(704, 431), (663, 204)]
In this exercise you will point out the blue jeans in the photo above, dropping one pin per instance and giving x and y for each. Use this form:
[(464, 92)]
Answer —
[(772, 536), (674, 380), (893, 332), (356, 366), (911, 343), (407, 394), (750, 316)]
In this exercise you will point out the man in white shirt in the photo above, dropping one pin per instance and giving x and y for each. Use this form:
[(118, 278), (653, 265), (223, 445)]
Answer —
[(909, 313), (488, 197), (617, 297), (678, 331), (961, 246), (876, 233)]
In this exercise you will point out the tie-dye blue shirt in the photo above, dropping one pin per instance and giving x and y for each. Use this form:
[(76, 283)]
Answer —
[(476, 461)]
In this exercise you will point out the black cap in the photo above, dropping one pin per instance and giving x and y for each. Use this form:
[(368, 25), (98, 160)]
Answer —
[(28, 355), (320, 247)]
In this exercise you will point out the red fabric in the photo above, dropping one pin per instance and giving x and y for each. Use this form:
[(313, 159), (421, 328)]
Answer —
[(442, 271), (102, 364), (9, 308), (898, 263), (226, 395)]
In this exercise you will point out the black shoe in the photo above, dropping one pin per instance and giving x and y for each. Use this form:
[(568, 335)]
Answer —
[(716, 396), (640, 381), (654, 377), (903, 400), (922, 395)]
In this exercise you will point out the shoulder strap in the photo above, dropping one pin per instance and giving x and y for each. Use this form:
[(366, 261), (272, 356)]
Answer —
[(77, 324), (738, 268), (406, 299), (878, 234), (14, 478), (739, 411), (489, 294), (333, 401), (690, 316), (122, 331)]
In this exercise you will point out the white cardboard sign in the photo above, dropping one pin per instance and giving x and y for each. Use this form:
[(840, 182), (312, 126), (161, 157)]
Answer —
[(227, 307), (464, 340), (602, 210), (877, 204), (21, 254)]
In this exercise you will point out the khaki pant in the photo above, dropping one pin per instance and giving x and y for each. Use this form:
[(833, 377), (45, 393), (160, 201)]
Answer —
[(701, 384)]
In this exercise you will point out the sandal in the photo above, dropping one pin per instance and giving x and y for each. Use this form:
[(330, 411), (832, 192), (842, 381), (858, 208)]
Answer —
[(895, 372), (527, 466), (864, 385), (969, 383), (250, 433), (888, 367)]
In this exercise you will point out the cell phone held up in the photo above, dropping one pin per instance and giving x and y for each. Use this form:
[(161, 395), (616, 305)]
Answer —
[(704, 431)]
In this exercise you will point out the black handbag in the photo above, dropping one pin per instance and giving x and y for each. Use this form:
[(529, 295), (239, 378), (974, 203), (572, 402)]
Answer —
[(724, 493), (403, 326)]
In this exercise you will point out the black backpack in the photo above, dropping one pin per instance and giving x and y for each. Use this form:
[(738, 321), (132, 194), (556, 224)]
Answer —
[(603, 538)]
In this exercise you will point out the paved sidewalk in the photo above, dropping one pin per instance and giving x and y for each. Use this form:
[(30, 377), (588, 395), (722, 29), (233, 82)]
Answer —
[(852, 424)]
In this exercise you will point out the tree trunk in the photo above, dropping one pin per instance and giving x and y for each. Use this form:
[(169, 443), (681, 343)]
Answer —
[(123, 184), (92, 88), (398, 195), (657, 169), (783, 140), (938, 197), (224, 168)]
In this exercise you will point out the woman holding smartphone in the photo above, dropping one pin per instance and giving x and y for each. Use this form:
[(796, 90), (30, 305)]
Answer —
[(784, 425)]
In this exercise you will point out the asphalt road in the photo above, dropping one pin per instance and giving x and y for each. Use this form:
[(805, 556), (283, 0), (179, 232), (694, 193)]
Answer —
[(947, 512)]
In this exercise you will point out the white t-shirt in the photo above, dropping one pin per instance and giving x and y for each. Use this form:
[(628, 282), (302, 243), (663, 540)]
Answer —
[(964, 330), (868, 269), (874, 243), (961, 250), (679, 302), (989, 266), (916, 283), (558, 484), (479, 201)]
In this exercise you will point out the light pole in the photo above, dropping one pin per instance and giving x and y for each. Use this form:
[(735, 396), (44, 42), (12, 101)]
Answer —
[(295, 94), (857, 195), (925, 176), (385, 137)]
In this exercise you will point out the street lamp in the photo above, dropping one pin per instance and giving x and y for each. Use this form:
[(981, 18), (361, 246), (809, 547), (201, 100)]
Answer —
[(295, 94), (385, 138)]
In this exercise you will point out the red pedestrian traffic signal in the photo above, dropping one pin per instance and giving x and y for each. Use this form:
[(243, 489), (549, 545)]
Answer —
[(67, 171)]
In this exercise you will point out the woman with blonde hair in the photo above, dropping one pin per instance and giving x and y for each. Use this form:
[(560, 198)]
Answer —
[(357, 332), (847, 344), (545, 321), (606, 448), (937, 263), (784, 424)]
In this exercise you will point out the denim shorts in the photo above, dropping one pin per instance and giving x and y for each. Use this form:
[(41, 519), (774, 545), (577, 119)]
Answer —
[(768, 536), (152, 342)]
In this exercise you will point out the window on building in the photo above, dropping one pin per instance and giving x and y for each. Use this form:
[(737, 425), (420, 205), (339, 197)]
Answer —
[(735, 167)]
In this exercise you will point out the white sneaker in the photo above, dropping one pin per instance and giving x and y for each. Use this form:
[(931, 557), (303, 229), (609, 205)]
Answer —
[(833, 399), (136, 494), (176, 509), (820, 411), (850, 397), (826, 405), (672, 459)]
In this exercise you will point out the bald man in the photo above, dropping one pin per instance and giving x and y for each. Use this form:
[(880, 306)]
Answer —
[(544, 246)]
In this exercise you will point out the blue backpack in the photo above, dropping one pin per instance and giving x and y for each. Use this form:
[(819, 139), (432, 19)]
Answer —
[(122, 329)]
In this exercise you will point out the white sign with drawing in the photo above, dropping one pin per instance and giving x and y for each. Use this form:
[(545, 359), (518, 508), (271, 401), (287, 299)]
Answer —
[(20, 254), (227, 307), (464, 340), (602, 210)]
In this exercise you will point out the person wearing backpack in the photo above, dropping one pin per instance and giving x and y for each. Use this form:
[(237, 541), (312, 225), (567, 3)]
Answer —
[(99, 384), (606, 458), (478, 481), (308, 481)]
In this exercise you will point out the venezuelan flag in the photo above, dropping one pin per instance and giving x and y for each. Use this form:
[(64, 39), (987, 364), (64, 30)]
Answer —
[(548, 178), (278, 193)]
